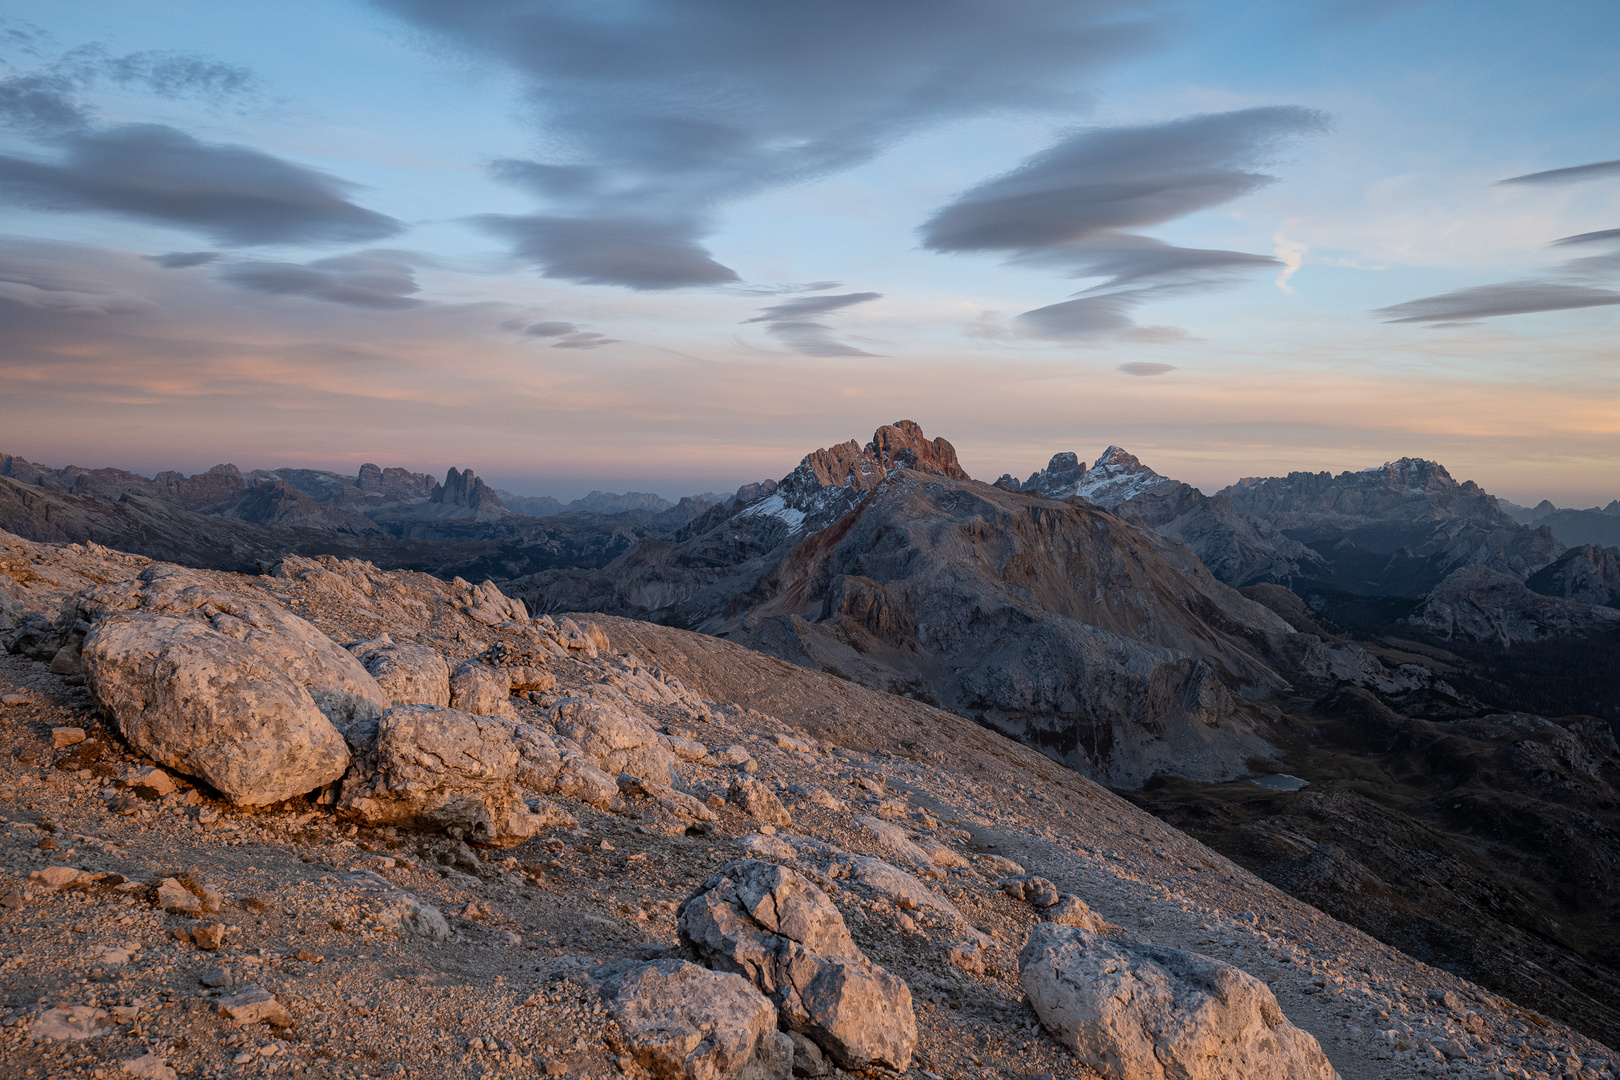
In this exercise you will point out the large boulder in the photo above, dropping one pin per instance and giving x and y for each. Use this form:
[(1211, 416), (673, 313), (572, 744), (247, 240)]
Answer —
[(235, 690), (685, 1022), (408, 674), (441, 768), (1146, 1012), (771, 925), (617, 739), (479, 688)]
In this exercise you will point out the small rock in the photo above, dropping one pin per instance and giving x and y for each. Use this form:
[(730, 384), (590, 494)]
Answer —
[(758, 801), (210, 937), (14, 700), (217, 977), (808, 1060), (150, 1067), (1070, 910), (175, 897), (151, 778), (12, 899), (255, 1005), (56, 878), (1036, 890), (62, 737), (71, 1022)]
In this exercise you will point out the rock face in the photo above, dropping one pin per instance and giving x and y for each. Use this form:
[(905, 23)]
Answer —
[(442, 768), (685, 1022), (1145, 1012), (1479, 604), (772, 926), (616, 739), (237, 691)]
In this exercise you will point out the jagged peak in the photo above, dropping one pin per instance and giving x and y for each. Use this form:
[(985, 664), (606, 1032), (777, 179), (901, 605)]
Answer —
[(900, 445)]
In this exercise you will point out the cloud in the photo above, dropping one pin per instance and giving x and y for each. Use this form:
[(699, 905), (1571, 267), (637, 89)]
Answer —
[(1067, 207), (179, 260), (1139, 367), (374, 279), (1597, 170), (1291, 253), (797, 322), (1601, 236), (549, 329), (659, 113), (639, 254), (1486, 301), (583, 340), (233, 194), (180, 74)]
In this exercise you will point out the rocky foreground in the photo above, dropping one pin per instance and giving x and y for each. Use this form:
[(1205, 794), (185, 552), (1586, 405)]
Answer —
[(334, 821)]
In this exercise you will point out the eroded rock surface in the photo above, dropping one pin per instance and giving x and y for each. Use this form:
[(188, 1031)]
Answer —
[(685, 1022)]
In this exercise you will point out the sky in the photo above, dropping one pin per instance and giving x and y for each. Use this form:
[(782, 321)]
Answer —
[(674, 246)]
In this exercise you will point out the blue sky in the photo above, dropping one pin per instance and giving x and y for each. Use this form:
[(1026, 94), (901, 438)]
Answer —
[(675, 246)]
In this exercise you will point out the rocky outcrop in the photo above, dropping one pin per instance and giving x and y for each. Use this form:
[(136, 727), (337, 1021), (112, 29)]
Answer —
[(615, 738), (440, 768), (1145, 1012), (685, 1022), (237, 691), (1480, 604), (773, 927)]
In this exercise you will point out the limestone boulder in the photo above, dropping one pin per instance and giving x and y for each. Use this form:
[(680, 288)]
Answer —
[(442, 768), (618, 740), (685, 1022), (407, 674), (1146, 1012), (771, 925), (222, 685), (479, 688)]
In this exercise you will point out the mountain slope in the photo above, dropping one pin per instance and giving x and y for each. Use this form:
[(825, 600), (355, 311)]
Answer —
[(1105, 645)]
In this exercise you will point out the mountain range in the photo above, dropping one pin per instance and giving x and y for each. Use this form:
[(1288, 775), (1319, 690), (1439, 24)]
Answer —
[(1434, 668)]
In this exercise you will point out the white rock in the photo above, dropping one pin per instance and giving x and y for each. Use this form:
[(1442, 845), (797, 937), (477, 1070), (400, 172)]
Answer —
[(70, 1022), (150, 1067), (1146, 1012), (236, 690), (408, 674), (479, 688)]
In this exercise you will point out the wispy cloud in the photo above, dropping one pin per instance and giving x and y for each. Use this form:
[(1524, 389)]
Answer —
[(1068, 208), (798, 322), (1597, 170), (1487, 301)]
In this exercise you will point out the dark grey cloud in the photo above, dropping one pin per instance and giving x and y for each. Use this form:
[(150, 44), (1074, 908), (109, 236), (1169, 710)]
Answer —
[(549, 329), (637, 253), (373, 279), (179, 260), (797, 322), (665, 110), (233, 194), (41, 104), (1510, 298), (1140, 367), (1597, 170), (1067, 208)]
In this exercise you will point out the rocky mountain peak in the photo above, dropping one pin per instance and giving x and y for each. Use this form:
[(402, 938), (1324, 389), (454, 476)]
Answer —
[(1414, 475), (900, 445), (462, 490)]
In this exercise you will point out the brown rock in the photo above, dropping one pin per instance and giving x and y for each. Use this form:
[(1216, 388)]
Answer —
[(255, 1005), (209, 937)]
